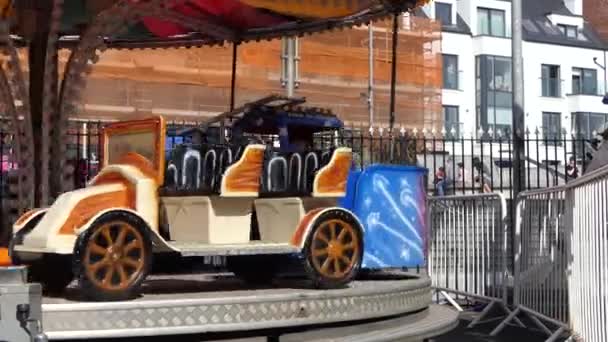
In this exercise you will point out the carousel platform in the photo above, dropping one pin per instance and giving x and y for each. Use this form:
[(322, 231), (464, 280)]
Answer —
[(371, 309)]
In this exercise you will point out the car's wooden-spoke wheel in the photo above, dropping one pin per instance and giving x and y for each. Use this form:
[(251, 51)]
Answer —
[(335, 248), (114, 256)]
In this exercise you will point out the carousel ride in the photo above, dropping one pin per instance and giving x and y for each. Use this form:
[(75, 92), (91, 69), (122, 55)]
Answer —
[(164, 198)]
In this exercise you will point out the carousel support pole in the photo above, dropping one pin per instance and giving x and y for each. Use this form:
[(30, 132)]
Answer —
[(37, 63), (235, 47), (291, 70), (393, 82), (370, 100)]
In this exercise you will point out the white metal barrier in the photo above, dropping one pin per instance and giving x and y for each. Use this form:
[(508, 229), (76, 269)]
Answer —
[(540, 288), (588, 282), (469, 249), (561, 258)]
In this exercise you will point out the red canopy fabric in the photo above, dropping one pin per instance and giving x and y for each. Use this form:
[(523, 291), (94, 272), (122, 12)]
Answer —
[(231, 13)]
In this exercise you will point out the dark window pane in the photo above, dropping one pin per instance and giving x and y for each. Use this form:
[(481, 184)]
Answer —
[(451, 121), (497, 23), (494, 101), (450, 72), (443, 13), (587, 123), (483, 21), (596, 122), (502, 74), (590, 81), (550, 81), (584, 81), (491, 22), (577, 75), (552, 126)]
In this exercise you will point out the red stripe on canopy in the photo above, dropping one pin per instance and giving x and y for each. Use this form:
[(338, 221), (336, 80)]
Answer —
[(231, 13)]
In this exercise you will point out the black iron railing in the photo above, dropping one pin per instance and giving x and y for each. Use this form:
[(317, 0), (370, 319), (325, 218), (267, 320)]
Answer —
[(456, 163)]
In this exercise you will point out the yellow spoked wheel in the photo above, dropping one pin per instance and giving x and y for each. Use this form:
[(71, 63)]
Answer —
[(114, 257), (334, 249)]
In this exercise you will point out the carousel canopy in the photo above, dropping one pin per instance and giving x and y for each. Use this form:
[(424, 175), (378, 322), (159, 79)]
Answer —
[(211, 21)]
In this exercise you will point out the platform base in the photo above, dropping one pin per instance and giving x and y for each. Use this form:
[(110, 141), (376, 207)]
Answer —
[(199, 304), (417, 327)]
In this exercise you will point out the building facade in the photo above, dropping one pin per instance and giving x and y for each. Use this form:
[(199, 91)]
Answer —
[(564, 80), (596, 11)]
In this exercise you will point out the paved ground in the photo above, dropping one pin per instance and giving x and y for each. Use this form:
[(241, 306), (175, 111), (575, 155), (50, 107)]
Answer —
[(481, 334)]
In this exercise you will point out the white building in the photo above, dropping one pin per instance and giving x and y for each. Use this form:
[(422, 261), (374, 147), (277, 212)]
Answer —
[(563, 84)]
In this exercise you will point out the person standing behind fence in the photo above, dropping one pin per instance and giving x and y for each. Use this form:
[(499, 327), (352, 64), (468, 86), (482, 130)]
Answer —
[(461, 176), (440, 181), (572, 169), (482, 177)]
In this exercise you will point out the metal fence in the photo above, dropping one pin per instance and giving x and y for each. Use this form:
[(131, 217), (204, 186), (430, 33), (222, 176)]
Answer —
[(588, 282), (561, 258), (458, 164), (541, 255), (469, 255), (471, 164)]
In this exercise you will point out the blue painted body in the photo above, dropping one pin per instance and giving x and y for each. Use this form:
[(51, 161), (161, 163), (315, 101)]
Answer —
[(390, 202)]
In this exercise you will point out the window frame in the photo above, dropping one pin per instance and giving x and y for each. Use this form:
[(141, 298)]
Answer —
[(586, 133), (545, 91), (582, 90), (489, 99), (456, 74), (552, 138), (448, 6), (445, 109), (564, 29), (487, 12)]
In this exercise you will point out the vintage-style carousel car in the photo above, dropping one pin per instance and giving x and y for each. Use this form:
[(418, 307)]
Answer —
[(229, 199), (278, 188)]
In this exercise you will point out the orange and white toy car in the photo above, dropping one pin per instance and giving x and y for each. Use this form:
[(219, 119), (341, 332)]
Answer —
[(107, 234)]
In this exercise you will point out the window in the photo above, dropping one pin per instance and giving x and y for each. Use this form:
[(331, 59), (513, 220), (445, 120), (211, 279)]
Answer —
[(584, 81), (569, 30), (491, 22), (587, 123), (443, 13), (550, 81), (552, 127), (494, 93), (450, 72), (451, 119)]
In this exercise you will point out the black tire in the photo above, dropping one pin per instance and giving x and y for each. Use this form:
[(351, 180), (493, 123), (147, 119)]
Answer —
[(351, 249), (103, 252), (253, 269)]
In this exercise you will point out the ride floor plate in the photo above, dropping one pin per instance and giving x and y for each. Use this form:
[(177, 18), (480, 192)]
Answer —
[(202, 303)]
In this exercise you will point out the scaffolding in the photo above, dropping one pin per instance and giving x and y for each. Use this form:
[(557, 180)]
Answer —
[(333, 72)]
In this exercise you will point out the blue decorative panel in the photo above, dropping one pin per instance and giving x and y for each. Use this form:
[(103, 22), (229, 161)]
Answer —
[(390, 201)]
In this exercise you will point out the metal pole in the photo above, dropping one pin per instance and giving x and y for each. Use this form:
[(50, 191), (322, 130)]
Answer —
[(235, 47), (290, 67), (603, 67), (394, 71), (518, 100), (393, 82), (605, 73), (370, 89)]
